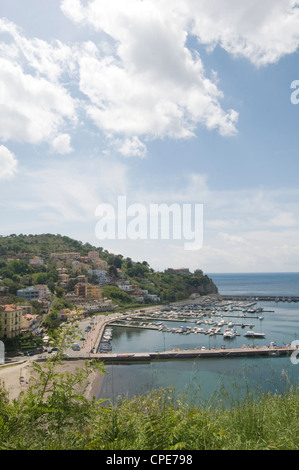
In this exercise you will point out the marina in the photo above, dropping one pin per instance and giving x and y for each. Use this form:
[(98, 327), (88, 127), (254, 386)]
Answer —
[(200, 364), (209, 317)]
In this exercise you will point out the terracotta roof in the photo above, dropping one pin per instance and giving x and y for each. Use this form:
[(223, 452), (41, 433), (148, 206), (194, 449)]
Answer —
[(10, 308)]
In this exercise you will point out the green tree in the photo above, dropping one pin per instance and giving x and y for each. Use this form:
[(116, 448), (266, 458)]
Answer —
[(59, 292)]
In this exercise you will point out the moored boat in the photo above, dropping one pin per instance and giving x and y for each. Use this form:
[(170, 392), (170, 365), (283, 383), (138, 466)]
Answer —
[(229, 333), (254, 334)]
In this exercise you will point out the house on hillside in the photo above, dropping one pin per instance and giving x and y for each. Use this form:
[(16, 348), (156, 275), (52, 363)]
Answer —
[(11, 320)]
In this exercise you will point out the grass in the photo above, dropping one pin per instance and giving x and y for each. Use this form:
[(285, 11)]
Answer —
[(155, 421)]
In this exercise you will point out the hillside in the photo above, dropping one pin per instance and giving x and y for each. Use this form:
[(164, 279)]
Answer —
[(15, 271), (42, 245)]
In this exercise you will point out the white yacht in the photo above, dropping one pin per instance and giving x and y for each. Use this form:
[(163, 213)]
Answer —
[(229, 333), (253, 334)]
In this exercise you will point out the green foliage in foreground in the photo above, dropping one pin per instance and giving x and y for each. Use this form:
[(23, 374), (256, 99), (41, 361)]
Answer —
[(52, 416)]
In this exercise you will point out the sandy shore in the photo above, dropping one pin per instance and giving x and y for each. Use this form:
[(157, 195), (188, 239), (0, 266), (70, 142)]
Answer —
[(16, 377), (10, 374), (11, 377)]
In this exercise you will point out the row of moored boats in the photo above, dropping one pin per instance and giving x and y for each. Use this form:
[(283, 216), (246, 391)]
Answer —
[(105, 344)]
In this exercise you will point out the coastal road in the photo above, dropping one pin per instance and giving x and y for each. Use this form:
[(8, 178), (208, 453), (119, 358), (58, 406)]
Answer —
[(96, 326)]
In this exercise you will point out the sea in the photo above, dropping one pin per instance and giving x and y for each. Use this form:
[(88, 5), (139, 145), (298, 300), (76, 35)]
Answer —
[(223, 381)]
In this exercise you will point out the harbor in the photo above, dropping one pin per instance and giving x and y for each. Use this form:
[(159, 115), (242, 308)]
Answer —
[(209, 317), (198, 365)]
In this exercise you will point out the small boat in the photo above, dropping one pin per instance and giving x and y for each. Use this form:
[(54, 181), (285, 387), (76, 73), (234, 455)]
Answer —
[(254, 334), (229, 333)]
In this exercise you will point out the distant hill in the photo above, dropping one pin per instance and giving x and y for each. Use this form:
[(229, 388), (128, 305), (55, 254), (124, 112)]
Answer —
[(170, 285), (43, 245)]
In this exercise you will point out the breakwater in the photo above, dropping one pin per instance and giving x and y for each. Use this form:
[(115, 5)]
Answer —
[(261, 298), (113, 358)]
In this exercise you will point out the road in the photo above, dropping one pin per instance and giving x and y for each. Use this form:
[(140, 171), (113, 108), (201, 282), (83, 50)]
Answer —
[(89, 340)]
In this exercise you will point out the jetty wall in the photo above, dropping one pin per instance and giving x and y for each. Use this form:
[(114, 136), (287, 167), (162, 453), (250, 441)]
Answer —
[(110, 358)]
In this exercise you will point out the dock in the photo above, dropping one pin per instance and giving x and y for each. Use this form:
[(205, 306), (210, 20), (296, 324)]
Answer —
[(97, 349), (113, 358), (261, 298)]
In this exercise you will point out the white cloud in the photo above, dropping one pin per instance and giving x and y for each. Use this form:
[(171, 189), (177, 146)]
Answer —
[(34, 105), (49, 60), (62, 144), (33, 109), (284, 219), (8, 163), (232, 239), (144, 83), (153, 85), (262, 32), (131, 147), (70, 193)]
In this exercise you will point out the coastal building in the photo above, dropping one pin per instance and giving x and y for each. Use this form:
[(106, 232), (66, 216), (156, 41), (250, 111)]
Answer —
[(78, 267), (125, 286), (63, 279), (11, 320), (138, 298), (36, 262), (93, 255), (44, 291), (30, 323), (64, 259), (101, 275), (95, 306), (99, 264), (30, 293), (40, 291), (153, 297), (61, 271), (81, 278), (198, 271), (66, 314), (84, 289)]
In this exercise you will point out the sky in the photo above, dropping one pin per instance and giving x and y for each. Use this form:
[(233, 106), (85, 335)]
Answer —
[(191, 103)]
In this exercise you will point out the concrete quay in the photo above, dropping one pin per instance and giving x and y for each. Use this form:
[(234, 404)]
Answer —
[(113, 358), (261, 298)]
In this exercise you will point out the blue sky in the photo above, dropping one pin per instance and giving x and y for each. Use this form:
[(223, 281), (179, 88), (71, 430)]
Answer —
[(163, 102)]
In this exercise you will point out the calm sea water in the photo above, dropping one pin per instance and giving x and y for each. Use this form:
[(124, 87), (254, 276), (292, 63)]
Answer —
[(223, 378), (276, 284)]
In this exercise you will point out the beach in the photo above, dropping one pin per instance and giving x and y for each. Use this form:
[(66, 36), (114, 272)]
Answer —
[(16, 377), (10, 377)]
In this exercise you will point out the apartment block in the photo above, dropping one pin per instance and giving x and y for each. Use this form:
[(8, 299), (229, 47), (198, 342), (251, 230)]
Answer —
[(84, 289), (11, 320), (40, 291)]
